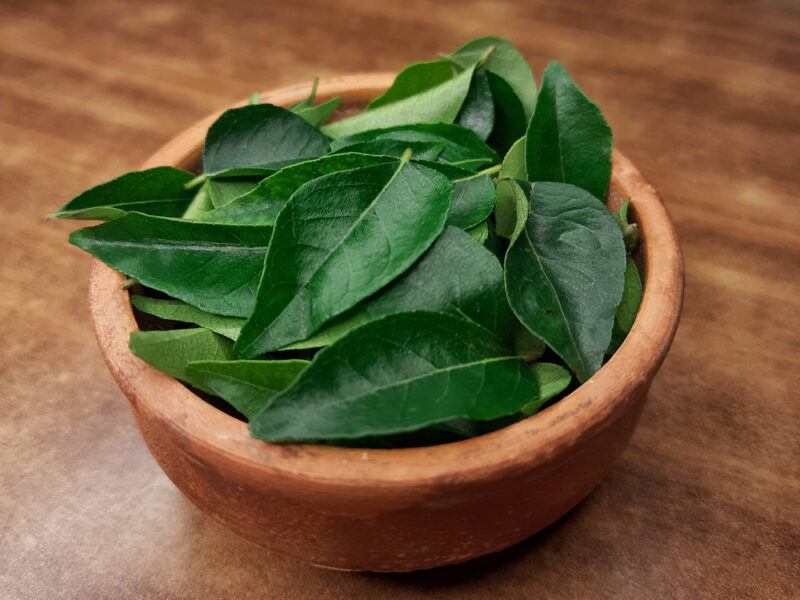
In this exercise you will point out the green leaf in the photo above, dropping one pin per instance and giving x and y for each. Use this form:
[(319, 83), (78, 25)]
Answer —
[(427, 150), (247, 385), (456, 275), (170, 351), (551, 380), (258, 140), (439, 104), (528, 345), (157, 191), (214, 267), (565, 271), (400, 373), (473, 201), (413, 80), (511, 207), (200, 204), (510, 122), (326, 257), (262, 205), (630, 231), (506, 62), (317, 115), (479, 232), (514, 161), (176, 310), (628, 307), (477, 112), (568, 139), (224, 191), (462, 148)]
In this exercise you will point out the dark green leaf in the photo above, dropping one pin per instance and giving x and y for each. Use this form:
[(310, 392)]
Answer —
[(565, 271), (568, 139), (170, 351), (439, 104), (462, 148), (326, 257), (413, 80), (258, 140), (247, 385), (224, 191), (420, 150), (176, 310), (628, 307), (477, 112), (399, 373), (473, 201), (510, 121), (157, 191), (214, 267), (262, 205), (455, 275), (505, 61)]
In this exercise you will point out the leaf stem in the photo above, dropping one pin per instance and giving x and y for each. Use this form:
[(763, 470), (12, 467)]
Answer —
[(199, 180)]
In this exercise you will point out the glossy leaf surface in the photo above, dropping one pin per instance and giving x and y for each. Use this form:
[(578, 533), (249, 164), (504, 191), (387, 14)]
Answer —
[(399, 373), (213, 267), (565, 271)]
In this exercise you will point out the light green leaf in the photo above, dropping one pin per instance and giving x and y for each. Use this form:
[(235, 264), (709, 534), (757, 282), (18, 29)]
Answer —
[(511, 207), (170, 351), (413, 80), (439, 104), (224, 191), (628, 307), (176, 310), (247, 385)]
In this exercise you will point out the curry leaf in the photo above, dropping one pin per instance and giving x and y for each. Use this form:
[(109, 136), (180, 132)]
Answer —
[(504, 61), (511, 207), (457, 275), (477, 112), (317, 115), (247, 385), (438, 104), (158, 191), (176, 310), (568, 139), (461, 147), (628, 307), (413, 80), (258, 140), (473, 201), (262, 205), (170, 351), (565, 271), (200, 204), (326, 257), (224, 191), (214, 267), (510, 122), (399, 373)]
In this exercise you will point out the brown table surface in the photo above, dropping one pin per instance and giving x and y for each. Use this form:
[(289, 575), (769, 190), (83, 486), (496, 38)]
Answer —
[(703, 96)]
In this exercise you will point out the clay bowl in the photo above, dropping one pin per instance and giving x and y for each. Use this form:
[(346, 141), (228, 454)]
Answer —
[(398, 510)]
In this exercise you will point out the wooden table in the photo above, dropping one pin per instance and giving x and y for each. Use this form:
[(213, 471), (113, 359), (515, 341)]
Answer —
[(704, 97)]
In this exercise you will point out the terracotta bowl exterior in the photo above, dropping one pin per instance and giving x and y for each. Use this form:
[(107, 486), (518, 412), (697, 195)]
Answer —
[(398, 510)]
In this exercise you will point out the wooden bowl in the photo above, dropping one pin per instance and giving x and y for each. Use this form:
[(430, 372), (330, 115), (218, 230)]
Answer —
[(398, 510)]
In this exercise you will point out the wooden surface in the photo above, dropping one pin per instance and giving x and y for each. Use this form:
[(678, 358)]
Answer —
[(703, 97)]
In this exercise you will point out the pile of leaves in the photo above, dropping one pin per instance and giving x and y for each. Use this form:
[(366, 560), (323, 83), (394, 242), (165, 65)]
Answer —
[(437, 266)]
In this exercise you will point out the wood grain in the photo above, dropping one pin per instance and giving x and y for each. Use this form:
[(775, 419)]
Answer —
[(701, 96)]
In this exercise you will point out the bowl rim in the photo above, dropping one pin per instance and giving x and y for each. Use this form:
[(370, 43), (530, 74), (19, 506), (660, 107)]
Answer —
[(209, 434)]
